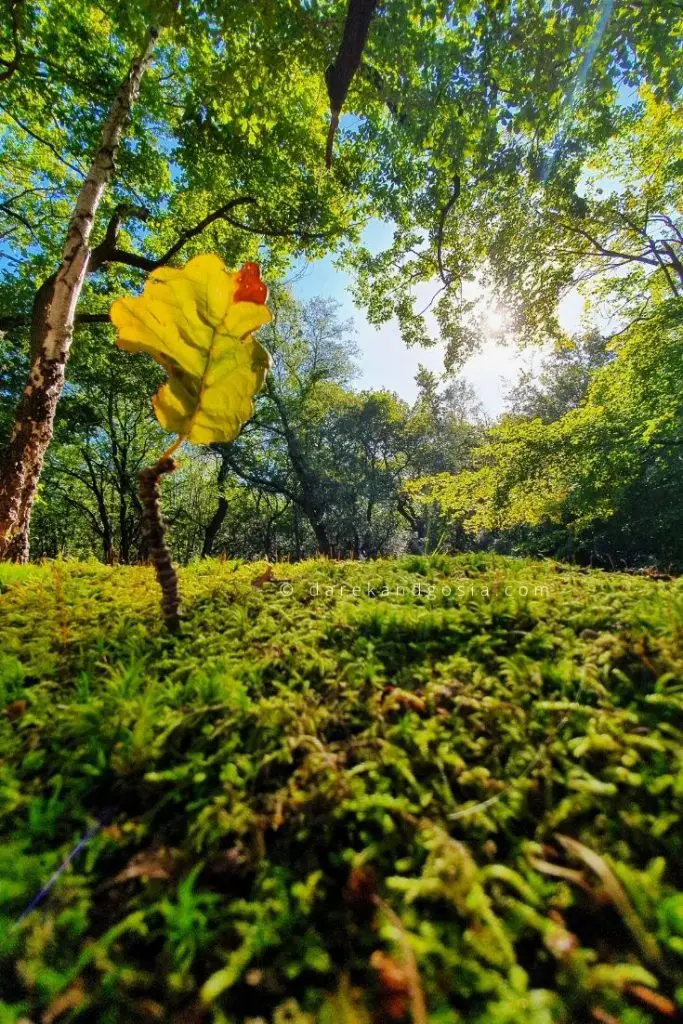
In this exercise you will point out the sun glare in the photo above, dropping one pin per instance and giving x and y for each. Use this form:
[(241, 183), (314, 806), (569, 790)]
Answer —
[(494, 321)]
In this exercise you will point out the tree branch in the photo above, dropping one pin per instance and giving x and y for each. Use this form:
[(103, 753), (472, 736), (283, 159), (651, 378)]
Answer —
[(12, 64), (601, 250), (652, 246), (44, 142), (271, 232), (670, 224), (107, 251), (18, 216), (339, 74), (103, 252), (8, 323), (373, 76), (198, 228), (273, 486), (445, 277)]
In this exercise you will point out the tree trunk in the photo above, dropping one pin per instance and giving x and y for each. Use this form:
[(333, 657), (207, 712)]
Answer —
[(320, 531), (297, 533), (124, 531), (52, 330), (219, 515), (214, 526), (107, 533), (307, 481), (417, 523)]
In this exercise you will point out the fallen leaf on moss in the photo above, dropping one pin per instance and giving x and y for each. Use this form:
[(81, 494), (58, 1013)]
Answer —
[(265, 577), (617, 894), (603, 1017)]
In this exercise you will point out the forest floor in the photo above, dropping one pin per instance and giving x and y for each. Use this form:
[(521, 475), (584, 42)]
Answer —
[(315, 803)]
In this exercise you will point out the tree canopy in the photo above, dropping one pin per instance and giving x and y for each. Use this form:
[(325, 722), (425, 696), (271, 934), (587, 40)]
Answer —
[(494, 103), (516, 150)]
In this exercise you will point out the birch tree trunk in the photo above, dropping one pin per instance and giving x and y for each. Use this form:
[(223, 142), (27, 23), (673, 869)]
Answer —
[(52, 329)]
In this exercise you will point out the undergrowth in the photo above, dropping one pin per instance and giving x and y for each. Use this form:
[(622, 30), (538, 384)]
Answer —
[(458, 804)]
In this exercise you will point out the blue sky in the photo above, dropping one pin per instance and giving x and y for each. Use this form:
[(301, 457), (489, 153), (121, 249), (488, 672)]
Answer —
[(386, 362)]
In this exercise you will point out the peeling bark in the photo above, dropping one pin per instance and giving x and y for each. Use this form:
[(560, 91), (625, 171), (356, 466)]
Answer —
[(52, 329)]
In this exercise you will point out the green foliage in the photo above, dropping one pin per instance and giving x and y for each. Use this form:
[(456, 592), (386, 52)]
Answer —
[(505, 101), (605, 475), (317, 452), (439, 726), (337, 457), (602, 213), (524, 149)]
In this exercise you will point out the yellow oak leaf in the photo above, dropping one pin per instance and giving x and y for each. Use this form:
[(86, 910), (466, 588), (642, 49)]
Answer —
[(197, 323)]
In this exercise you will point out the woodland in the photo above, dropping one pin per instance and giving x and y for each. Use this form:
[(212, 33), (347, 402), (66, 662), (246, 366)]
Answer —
[(518, 153), (403, 742)]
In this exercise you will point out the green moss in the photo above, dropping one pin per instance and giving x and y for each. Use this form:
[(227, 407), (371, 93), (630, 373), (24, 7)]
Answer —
[(439, 726)]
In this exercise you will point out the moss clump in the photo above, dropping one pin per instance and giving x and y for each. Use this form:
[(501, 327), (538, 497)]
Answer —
[(341, 791)]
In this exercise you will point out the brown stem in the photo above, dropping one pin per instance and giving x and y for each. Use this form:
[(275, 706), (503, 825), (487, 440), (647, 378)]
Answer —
[(155, 531)]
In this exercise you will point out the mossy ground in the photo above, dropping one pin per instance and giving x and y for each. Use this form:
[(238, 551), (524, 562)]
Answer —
[(308, 783)]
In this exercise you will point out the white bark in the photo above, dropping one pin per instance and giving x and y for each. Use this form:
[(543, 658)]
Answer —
[(54, 330), (71, 274)]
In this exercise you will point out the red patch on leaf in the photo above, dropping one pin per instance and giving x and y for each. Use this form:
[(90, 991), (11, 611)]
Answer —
[(250, 287)]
